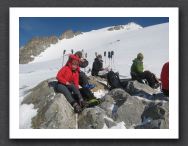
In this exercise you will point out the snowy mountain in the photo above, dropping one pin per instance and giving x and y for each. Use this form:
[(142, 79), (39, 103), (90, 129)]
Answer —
[(125, 40)]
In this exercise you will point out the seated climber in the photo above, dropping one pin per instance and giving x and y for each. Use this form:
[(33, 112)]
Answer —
[(83, 63), (97, 69), (138, 73), (165, 79), (68, 83)]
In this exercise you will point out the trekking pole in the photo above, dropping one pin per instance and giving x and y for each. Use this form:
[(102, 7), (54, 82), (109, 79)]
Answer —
[(112, 58), (96, 54), (109, 57), (63, 57), (105, 58)]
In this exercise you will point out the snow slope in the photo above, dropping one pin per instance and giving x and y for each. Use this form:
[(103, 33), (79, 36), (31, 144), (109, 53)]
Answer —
[(152, 41)]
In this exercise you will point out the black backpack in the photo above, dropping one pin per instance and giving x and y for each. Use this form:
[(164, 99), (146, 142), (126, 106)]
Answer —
[(152, 79), (113, 80)]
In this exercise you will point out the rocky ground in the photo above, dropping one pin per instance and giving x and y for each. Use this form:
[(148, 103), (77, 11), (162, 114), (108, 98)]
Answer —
[(137, 106)]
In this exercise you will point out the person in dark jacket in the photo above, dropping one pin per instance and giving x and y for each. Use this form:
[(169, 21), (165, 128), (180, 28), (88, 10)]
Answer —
[(68, 83), (138, 73), (98, 67), (165, 79)]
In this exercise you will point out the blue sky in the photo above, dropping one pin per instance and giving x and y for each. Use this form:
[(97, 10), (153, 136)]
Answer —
[(30, 27)]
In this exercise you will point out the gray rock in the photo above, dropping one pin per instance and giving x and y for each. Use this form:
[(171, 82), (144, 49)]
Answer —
[(67, 35), (108, 105), (139, 89), (92, 118), (130, 112), (119, 96), (57, 114), (53, 110), (34, 47), (153, 124)]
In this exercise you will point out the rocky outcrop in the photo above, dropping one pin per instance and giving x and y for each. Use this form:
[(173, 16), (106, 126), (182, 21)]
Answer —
[(119, 108), (39, 44), (54, 111), (69, 34), (129, 26), (34, 47), (117, 27)]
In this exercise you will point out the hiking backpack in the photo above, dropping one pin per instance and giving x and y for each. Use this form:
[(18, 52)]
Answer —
[(152, 79), (113, 80)]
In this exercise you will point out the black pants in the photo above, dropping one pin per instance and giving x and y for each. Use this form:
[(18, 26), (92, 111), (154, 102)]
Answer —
[(146, 75), (138, 76), (71, 93), (83, 79)]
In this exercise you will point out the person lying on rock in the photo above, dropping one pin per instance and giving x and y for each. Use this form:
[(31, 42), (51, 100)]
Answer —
[(138, 73), (68, 83), (97, 69), (83, 80)]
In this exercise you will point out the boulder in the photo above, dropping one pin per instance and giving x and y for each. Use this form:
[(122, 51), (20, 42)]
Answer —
[(53, 110), (92, 118), (130, 112), (138, 89)]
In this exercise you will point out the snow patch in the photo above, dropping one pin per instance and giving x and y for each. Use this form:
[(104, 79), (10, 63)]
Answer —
[(100, 93), (27, 112), (120, 125)]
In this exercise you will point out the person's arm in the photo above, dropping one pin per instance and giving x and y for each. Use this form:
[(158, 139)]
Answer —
[(139, 67), (83, 63), (76, 80), (60, 76)]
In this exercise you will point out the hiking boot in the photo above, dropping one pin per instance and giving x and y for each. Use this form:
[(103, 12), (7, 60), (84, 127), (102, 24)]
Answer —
[(77, 108), (93, 102)]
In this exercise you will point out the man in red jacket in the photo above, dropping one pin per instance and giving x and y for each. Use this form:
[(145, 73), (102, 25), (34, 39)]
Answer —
[(165, 79), (68, 82)]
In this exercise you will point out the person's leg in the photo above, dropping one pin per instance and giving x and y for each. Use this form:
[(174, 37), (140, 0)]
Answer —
[(75, 91), (63, 89), (140, 77), (83, 81), (87, 94)]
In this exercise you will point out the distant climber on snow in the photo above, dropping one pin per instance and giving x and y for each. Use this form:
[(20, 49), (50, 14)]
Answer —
[(165, 79), (138, 73)]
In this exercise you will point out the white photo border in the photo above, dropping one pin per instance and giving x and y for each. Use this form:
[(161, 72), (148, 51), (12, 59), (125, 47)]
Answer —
[(16, 133)]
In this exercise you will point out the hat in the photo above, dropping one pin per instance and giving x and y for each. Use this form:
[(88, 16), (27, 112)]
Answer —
[(79, 54), (99, 56), (140, 56)]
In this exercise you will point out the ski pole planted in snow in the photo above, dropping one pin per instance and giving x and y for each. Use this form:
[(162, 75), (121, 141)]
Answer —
[(64, 51), (109, 57), (72, 51), (96, 54), (105, 57), (112, 58)]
